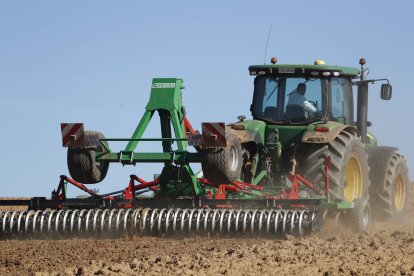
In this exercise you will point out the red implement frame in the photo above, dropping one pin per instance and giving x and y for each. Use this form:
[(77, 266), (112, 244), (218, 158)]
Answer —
[(296, 179), (188, 127), (60, 193), (129, 193)]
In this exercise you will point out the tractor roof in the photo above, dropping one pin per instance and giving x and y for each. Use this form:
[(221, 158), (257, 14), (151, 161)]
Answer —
[(302, 69)]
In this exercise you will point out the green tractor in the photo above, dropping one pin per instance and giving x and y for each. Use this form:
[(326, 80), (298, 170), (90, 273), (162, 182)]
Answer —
[(303, 114)]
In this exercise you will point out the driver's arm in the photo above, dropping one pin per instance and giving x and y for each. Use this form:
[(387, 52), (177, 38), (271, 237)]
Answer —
[(309, 107)]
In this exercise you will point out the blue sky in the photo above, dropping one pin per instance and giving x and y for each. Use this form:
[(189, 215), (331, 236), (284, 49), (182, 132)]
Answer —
[(93, 62)]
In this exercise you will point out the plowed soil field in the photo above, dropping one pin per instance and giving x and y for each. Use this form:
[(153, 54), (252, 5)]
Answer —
[(388, 249)]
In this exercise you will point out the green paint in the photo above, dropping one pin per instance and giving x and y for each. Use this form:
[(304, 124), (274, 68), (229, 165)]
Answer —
[(372, 140), (256, 125), (165, 94), (288, 134), (139, 131), (177, 122), (179, 181), (130, 157), (259, 177), (339, 205), (177, 177)]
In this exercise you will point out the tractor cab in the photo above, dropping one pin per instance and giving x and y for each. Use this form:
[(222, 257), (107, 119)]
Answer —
[(302, 94)]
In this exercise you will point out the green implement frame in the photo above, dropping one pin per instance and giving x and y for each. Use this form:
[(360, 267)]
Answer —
[(177, 178)]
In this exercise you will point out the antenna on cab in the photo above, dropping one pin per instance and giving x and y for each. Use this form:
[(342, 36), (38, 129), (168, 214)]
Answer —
[(267, 43)]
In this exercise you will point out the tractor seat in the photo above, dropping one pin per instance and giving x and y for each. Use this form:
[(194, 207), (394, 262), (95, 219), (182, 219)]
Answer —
[(271, 113), (295, 113)]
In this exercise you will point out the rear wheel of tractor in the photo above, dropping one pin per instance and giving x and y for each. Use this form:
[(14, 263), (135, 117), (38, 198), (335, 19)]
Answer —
[(223, 165), (391, 188), (82, 164), (360, 215), (349, 170)]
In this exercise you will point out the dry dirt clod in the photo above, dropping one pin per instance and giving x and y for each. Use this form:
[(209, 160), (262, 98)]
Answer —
[(80, 271), (289, 238), (230, 252)]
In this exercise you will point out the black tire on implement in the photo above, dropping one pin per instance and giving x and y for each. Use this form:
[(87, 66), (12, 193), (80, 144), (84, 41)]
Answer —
[(82, 164), (360, 216), (223, 165), (390, 191), (349, 170)]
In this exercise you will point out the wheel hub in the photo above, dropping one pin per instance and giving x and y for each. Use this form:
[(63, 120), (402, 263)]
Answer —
[(353, 179), (233, 159), (399, 193)]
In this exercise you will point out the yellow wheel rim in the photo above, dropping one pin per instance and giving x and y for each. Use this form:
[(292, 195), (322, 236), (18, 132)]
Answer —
[(399, 193), (353, 179)]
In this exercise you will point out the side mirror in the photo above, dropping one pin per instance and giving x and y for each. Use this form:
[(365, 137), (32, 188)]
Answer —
[(386, 91)]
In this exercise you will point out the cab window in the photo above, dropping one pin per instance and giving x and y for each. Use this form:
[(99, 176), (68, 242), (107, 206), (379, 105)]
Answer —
[(339, 104)]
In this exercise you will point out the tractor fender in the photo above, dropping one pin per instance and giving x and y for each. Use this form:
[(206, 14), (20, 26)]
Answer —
[(244, 135), (325, 133)]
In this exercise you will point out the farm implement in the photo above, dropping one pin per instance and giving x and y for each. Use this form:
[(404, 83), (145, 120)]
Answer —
[(283, 172)]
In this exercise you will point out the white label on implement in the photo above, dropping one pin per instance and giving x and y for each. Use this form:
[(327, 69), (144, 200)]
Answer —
[(284, 70), (163, 85)]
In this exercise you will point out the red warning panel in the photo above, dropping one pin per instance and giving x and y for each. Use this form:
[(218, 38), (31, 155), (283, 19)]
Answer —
[(214, 134), (73, 134)]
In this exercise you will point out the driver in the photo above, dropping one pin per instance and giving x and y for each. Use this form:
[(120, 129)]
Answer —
[(297, 97)]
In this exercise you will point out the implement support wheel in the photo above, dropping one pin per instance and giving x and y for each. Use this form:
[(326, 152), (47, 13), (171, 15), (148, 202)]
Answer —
[(82, 164), (360, 216), (223, 165)]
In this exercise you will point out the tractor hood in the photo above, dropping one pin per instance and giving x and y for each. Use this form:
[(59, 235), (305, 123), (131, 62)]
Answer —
[(317, 133), (323, 132), (248, 130)]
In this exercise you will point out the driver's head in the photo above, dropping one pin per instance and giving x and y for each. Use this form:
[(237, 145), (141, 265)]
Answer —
[(301, 88)]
